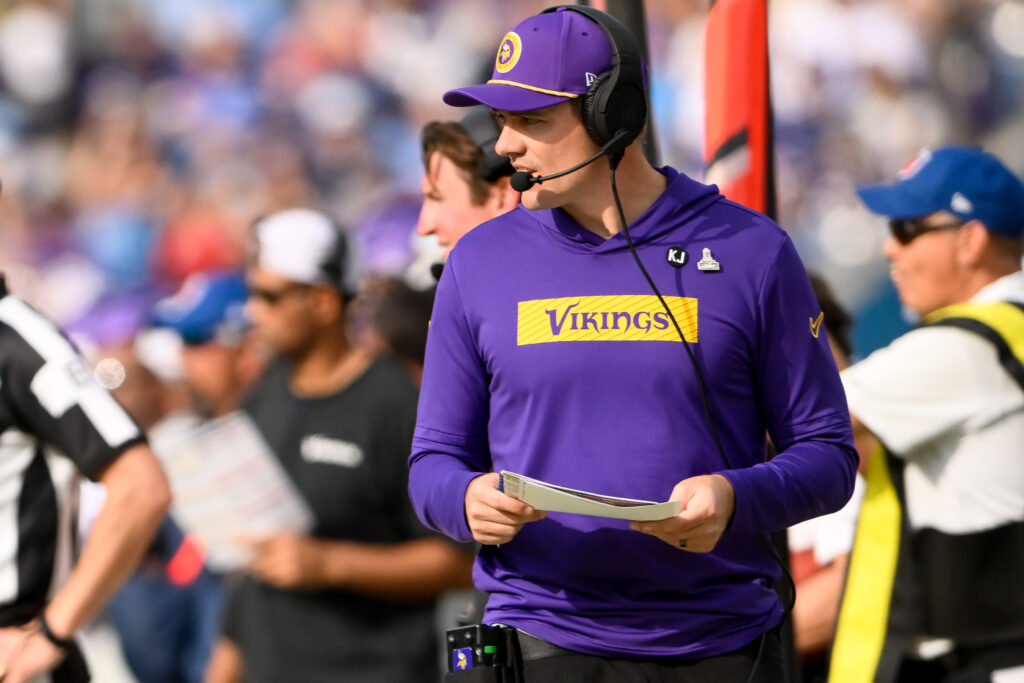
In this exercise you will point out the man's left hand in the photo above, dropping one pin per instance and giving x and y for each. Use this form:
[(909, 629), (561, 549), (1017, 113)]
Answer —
[(707, 504)]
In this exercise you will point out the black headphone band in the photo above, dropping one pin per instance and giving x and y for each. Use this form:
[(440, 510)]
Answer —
[(611, 103)]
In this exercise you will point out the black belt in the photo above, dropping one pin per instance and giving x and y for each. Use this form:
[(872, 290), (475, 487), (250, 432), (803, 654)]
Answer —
[(532, 648)]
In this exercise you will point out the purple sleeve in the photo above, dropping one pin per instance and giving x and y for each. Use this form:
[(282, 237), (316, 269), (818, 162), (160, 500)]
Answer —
[(449, 446), (804, 408)]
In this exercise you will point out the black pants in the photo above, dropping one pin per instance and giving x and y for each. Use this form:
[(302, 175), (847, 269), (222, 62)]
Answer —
[(734, 667)]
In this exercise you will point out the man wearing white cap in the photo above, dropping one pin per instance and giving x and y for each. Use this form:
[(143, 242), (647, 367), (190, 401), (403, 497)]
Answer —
[(352, 601)]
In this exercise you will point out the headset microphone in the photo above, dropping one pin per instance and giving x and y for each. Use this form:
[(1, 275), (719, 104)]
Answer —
[(521, 181)]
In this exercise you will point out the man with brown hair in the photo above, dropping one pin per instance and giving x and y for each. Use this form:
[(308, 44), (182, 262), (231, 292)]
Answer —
[(466, 181)]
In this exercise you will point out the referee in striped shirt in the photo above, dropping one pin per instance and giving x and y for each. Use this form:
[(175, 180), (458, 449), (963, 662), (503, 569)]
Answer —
[(56, 424)]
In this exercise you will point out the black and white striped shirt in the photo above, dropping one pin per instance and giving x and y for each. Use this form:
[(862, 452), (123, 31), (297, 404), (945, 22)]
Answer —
[(56, 423)]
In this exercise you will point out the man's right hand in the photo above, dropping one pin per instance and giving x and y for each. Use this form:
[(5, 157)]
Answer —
[(493, 517)]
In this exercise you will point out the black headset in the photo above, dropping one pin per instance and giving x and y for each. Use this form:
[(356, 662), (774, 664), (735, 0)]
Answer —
[(615, 100), (483, 131)]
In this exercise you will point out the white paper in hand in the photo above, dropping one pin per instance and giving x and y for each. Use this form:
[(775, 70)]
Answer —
[(227, 484), (544, 496)]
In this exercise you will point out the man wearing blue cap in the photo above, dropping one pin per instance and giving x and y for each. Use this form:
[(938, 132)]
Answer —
[(627, 331), (168, 614), (208, 313), (933, 592)]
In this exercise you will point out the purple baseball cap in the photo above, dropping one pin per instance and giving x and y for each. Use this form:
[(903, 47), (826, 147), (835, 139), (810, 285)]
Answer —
[(544, 60)]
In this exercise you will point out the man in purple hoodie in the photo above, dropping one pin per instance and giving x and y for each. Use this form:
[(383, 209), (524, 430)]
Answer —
[(551, 355)]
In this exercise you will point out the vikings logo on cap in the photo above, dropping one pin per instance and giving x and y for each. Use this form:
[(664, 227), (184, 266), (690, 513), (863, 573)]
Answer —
[(509, 50)]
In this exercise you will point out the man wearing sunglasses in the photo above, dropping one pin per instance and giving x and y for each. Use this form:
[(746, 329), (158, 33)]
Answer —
[(933, 590), (354, 599)]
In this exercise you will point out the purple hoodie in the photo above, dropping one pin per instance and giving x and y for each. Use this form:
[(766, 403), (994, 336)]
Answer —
[(549, 356)]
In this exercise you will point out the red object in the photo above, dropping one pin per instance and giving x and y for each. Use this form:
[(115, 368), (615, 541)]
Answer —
[(199, 241), (187, 562), (738, 140)]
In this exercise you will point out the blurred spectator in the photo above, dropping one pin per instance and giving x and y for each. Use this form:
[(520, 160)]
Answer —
[(355, 599), (218, 359), (933, 592), (397, 318), (168, 612)]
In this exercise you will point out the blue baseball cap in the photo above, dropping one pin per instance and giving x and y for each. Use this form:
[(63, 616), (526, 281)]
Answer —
[(210, 306), (965, 181)]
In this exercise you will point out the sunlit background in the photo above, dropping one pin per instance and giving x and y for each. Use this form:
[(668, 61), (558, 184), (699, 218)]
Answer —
[(139, 138)]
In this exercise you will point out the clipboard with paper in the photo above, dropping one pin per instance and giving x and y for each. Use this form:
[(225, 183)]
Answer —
[(227, 484), (544, 496)]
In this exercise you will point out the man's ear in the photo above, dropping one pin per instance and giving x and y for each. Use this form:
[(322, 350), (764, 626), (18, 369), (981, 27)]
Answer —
[(972, 241), (328, 304)]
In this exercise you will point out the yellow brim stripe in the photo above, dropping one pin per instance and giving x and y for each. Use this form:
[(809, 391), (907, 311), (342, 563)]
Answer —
[(556, 93)]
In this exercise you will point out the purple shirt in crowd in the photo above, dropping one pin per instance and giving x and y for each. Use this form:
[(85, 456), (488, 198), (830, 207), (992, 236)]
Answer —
[(548, 355)]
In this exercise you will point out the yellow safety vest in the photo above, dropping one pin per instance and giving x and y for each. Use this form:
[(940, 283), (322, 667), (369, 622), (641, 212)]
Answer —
[(876, 621)]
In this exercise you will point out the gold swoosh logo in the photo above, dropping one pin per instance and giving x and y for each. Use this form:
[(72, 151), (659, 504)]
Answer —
[(816, 324)]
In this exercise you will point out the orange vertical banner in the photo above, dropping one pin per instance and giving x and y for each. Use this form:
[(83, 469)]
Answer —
[(738, 140)]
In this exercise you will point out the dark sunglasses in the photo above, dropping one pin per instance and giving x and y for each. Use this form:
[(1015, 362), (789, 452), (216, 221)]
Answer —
[(272, 297), (906, 230)]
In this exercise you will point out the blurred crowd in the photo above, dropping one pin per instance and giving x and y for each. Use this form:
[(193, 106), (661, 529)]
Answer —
[(140, 138)]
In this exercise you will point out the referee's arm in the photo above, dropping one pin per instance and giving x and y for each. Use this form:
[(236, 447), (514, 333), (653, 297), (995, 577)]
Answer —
[(137, 499)]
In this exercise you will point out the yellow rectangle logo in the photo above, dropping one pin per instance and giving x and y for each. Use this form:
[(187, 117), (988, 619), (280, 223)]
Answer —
[(605, 318)]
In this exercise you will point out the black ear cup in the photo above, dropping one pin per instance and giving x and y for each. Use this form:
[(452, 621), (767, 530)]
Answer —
[(598, 133), (608, 108)]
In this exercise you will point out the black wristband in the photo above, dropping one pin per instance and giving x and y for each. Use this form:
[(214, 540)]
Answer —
[(44, 628)]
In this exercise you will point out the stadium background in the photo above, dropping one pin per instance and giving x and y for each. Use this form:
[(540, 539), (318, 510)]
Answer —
[(139, 138)]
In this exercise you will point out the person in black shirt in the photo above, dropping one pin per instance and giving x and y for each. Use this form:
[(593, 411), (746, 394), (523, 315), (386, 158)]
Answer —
[(353, 600)]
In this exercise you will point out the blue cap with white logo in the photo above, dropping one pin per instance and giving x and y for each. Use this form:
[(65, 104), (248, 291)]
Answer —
[(965, 181), (209, 307)]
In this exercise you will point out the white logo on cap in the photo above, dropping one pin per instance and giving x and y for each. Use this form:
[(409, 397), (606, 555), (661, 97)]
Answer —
[(960, 203), (590, 78)]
